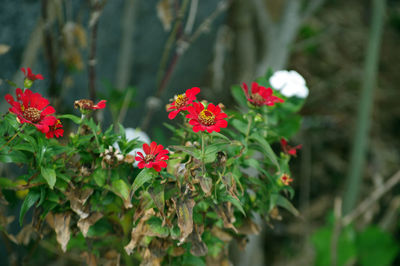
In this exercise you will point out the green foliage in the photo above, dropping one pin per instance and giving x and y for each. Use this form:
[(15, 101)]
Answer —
[(94, 200), (371, 246)]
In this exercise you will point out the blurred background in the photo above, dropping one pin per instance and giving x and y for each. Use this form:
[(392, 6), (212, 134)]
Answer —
[(137, 54)]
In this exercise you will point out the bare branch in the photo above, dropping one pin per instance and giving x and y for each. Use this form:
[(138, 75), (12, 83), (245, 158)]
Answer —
[(368, 202)]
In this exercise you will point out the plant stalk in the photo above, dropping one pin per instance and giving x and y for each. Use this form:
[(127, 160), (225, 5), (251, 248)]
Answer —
[(357, 160)]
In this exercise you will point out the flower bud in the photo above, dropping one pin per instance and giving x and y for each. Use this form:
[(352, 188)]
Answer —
[(28, 83)]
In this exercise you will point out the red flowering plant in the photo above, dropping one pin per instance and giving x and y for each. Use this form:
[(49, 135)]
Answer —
[(99, 192)]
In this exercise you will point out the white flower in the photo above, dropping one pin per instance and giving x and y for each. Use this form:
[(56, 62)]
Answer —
[(289, 83)]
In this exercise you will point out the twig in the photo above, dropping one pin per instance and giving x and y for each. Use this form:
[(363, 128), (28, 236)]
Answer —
[(337, 209), (191, 17), (368, 202), (124, 67), (357, 160)]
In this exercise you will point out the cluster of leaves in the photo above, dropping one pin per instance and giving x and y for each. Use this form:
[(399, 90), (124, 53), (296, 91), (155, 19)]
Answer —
[(86, 190)]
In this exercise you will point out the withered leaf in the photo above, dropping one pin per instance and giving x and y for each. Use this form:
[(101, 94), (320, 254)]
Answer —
[(61, 226), (222, 235), (84, 224), (249, 228), (78, 199), (184, 211), (157, 195), (164, 13), (113, 258), (149, 259), (25, 235), (138, 232), (206, 184), (226, 213), (198, 248), (90, 258)]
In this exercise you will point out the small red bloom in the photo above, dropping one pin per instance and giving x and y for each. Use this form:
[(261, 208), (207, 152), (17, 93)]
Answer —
[(210, 118), (289, 149), (155, 157), (286, 180), (29, 75), (55, 130), (85, 104), (182, 101), (260, 95), (32, 108)]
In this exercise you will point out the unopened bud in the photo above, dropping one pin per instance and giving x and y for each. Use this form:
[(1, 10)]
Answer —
[(28, 83)]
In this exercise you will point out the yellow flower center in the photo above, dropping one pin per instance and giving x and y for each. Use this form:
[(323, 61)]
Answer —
[(32, 114), (207, 118), (149, 158), (181, 100), (257, 98)]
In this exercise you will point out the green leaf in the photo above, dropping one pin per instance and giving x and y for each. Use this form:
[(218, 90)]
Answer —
[(74, 118), (239, 125), (144, 176), (235, 202), (157, 228), (30, 199), (285, 203), (121, 188), (189, 150), (13, 157), (219, 135), (238, 95), (6, 183), (49, 175), (99, 176), (266, 149), (376, 247)]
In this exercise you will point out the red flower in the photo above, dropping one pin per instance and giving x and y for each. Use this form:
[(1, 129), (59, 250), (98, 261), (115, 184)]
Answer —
[(210, 118), (86, 104), (286, 180), (29, 75), (260, 95), (289, 149), (32, 108), (182, 101), (55, 130), (155, 157)]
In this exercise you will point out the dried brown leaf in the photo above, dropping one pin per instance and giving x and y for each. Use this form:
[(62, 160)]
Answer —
[(206, 185), (184, 211), (61, 226), (225, 211), (249, 228), (90, 258), (78, 199), (138, 231), (112, 258), (198, 248), (222, 235), (25, 235), (165, 13), (84, 224)]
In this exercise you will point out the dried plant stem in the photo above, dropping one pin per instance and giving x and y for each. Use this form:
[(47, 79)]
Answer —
[(357, 160), (368, 202)]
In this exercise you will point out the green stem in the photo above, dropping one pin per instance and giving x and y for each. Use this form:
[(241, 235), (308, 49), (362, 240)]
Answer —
[(250, 121), (202, 153), (357, 160)]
